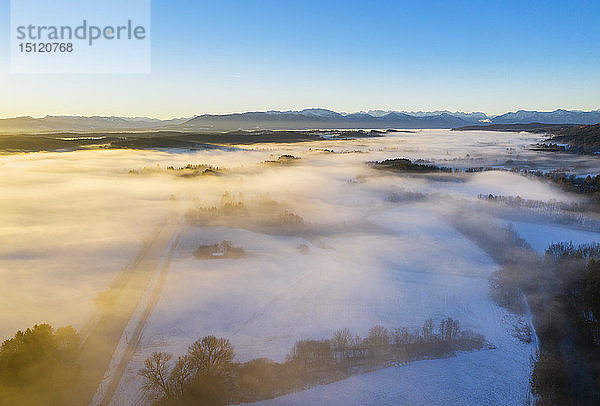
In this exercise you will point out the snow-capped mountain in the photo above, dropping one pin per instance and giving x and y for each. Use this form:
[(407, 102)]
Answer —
[(317, 118), (559, 116)]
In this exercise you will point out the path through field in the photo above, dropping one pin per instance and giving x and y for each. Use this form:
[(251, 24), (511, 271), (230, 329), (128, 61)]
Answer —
[(103, 333)]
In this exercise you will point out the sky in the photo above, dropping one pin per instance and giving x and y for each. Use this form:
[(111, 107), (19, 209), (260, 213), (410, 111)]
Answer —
[(233, 56)]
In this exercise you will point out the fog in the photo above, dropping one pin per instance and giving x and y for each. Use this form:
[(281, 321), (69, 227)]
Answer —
[(71, 222)]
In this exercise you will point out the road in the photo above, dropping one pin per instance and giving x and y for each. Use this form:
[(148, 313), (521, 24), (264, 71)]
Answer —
[(104, 331), (134, 340)]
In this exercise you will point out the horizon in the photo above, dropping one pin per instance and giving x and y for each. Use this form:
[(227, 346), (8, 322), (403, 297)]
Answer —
[(246, 57), (299, 202), (365, 111)]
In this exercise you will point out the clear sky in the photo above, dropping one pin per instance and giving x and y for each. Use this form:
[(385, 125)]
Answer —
[(231, 56)]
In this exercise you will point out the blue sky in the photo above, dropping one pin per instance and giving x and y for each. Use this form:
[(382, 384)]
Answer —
[(229, 56)]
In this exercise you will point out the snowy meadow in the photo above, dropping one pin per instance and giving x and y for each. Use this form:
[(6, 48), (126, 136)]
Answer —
[(326, 242)]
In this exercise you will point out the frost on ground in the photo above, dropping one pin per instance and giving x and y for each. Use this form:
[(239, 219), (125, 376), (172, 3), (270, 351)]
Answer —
[(414, 268), (363, 258), (488, 377), (541, 236)]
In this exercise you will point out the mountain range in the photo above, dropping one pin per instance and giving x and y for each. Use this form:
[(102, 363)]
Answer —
[(293, 120)]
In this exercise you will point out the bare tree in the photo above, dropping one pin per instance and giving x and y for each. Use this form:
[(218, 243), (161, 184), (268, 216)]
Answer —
[(342, 339), (181, 375), (311, 352), (449, 329), (211, 356), (443, 329), (428, 330), (402, 336), (156, 375), (378, 336)]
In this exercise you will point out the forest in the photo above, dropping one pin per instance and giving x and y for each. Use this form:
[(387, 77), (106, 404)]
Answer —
[(561, 291)]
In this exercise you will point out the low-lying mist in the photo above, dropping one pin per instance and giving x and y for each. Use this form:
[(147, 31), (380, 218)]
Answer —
[(329, 242)]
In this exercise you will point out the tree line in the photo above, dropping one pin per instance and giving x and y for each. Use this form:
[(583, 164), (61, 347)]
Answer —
[(207, 373), (561, 289), (38, 365), (568, 367)]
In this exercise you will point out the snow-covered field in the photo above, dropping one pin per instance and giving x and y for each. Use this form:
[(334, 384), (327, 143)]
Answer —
[(416, 268), (541, 236), (74, 220), (492, 377)]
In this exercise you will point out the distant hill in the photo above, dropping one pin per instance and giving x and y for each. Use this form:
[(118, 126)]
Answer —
[(318, 119), (471, 117), (559, 116), (70, 141), (314, 118), (78, 123), (529, 127), (581, 139), (584, 139)]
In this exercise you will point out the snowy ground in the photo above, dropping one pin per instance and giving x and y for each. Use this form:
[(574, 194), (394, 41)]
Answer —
[(490, 377), (415, 268), (541, 236), (69, 222)]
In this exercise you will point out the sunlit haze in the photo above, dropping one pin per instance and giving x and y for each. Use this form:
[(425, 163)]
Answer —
[(348, 56)]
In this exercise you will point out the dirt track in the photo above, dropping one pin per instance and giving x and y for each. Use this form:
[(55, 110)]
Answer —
[(102, 334)]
